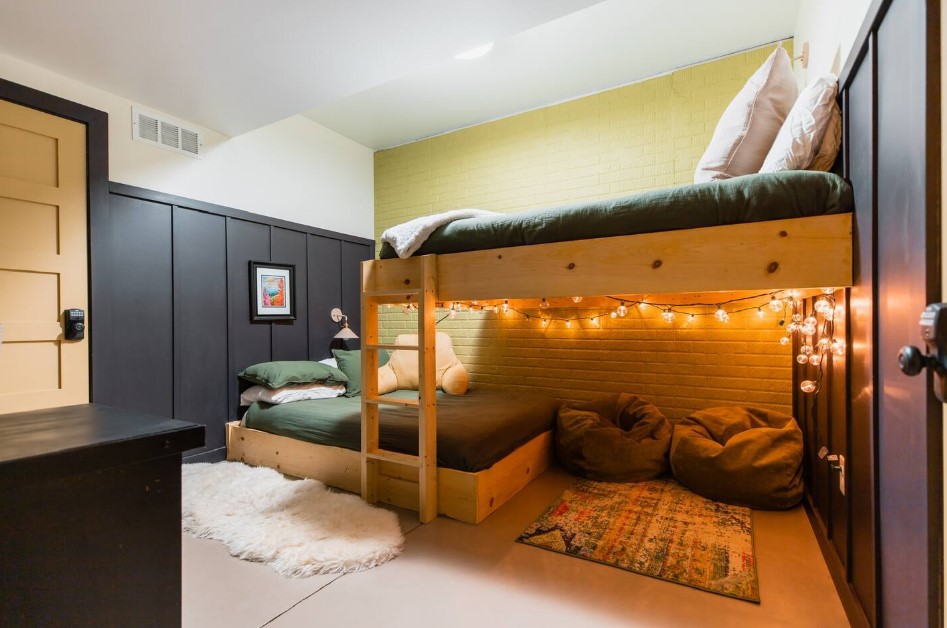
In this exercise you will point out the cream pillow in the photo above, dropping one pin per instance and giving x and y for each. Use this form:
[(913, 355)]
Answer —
[(799, 139), (751, 121), (401, 372)]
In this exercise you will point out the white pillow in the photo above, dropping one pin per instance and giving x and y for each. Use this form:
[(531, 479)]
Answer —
[(831, 141), (330, 362), (292, 392), (751, 121), (799, 139)]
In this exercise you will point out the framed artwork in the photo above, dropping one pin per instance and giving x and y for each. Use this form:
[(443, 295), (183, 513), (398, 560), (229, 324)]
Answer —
[(272, 291)]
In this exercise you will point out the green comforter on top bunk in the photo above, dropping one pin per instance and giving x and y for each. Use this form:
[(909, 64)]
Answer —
[(752, 198)]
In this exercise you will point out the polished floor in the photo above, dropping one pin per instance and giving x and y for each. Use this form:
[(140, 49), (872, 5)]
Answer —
[(457, 575)]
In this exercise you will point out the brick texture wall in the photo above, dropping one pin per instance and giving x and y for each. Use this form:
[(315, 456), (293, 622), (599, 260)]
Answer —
[(637, 137)]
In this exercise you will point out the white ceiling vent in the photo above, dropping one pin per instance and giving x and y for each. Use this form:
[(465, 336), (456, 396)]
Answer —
[(158, 131)]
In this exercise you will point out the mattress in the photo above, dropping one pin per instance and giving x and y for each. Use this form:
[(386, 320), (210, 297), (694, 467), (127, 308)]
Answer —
[(473, 431), (752, 198)]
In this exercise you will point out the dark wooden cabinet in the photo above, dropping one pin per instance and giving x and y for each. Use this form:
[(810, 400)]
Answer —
[(90, 517)]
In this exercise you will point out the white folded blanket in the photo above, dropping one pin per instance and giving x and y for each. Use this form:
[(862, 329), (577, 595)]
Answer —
[(408, 237)]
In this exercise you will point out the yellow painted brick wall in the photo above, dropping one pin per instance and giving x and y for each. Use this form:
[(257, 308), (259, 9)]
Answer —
[(637, 137)]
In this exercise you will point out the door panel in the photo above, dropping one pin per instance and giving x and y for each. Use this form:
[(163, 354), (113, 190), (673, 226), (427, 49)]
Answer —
[(908, 278), (43, 259)]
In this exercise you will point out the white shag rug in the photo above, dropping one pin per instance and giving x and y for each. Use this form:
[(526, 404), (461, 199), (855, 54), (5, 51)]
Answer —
[(298, 527)]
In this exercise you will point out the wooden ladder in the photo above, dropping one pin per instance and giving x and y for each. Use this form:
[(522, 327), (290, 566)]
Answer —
[(414, 283)]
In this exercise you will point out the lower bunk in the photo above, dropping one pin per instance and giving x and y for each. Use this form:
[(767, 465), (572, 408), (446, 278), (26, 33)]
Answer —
[(490, 445)]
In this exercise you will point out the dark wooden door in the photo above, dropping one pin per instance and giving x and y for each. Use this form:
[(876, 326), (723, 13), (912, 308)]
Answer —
[(908, 277)]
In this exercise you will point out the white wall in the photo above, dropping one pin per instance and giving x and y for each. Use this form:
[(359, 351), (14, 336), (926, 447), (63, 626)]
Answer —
[(294, 169), (830, 27)]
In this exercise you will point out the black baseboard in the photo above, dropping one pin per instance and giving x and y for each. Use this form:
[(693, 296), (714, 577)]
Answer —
[(214, 455), (853, 609)]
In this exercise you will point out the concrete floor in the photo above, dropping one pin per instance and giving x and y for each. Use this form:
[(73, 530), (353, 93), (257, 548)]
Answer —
[(459, 575)]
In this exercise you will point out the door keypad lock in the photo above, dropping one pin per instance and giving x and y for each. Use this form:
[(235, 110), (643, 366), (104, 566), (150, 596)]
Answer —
[(73, 324), (912, 360)]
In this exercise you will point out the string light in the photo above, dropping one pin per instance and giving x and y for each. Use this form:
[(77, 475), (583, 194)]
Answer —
[(506, 307), (721, 314), (808, 386), (453, 312), (614, 315), (785, 340), (690, 318), (622, 310), (577, 299), (668, 315), (776, 304), (759, 312), (544, 304), (568, 323)]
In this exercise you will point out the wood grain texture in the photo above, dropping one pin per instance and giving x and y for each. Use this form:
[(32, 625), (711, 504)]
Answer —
[(794, 253), (467, 497)]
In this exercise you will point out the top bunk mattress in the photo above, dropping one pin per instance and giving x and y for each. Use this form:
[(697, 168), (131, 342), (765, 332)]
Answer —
[(752, 198), (473, 431)]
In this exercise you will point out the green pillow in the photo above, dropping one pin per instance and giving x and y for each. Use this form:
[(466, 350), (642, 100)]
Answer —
[(351, 364), (277, 374)]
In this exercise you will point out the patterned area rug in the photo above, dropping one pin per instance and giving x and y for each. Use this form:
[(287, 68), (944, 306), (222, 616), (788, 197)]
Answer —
[(656, 528)]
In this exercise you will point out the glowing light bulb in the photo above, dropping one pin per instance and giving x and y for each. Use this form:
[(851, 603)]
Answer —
[(792, 327), (807, 386), (614, 314), (823, 343), (641, 305), (506, 307), (544, 304), (690, 318), (721, 314), (577, 299), (822, 304), (829, 314), (837, 347), (452, 314), (668, 315), (568, 323), (802, 358), (808, 330), (406, 310), (545, 322), (806, 350), (759, 312), (828, 290), (726, 319), (810, 320), (775, 304), (622, 310), (475, 303), (594, 320), (797, 318), (785, 340), (815, 359)]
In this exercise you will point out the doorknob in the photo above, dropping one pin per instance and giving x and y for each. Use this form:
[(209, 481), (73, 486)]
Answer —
[(912, 360)]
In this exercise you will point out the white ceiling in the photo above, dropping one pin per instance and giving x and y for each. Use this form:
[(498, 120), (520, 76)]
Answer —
[(378, 71)]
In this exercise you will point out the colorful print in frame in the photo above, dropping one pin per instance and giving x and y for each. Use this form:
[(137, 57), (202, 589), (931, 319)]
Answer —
[(272, 291)]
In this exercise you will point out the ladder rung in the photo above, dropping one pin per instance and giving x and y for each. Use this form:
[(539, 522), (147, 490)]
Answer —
[(393, 347), (392, 401), (394, 456)]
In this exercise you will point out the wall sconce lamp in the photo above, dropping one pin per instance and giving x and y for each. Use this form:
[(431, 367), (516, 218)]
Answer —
[(345, 332)]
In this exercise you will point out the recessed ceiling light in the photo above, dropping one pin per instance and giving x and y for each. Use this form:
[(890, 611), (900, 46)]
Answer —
[(474, 53)]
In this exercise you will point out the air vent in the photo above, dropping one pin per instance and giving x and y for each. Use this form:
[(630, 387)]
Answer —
[(157, 131)]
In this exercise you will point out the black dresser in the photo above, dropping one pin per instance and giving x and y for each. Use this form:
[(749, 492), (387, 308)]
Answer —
[(90, 517)]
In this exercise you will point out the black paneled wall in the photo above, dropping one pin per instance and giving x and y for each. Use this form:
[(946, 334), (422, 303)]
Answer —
[(178, 299)]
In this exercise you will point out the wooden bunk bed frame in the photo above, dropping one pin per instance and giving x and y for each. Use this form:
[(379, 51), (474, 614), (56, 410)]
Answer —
[(798, 253)]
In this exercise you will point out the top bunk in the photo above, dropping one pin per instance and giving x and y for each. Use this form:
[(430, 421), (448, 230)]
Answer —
[(757, 232)]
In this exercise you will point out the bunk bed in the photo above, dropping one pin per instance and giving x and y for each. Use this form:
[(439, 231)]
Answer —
[(785, 236)]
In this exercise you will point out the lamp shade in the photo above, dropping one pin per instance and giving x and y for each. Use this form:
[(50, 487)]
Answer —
[(346, 333)]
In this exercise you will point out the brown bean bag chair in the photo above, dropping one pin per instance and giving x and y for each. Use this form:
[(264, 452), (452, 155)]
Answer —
[(619, 439), (745, 456)]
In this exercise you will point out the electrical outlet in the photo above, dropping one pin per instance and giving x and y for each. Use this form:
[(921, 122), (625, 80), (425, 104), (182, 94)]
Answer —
[(841, 474)]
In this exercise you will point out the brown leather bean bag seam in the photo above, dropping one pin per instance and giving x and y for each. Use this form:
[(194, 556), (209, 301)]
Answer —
[(740, 455), (621, 438)]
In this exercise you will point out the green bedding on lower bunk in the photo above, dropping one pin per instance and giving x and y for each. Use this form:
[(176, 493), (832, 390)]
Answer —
[(473, 431), (752, 198)]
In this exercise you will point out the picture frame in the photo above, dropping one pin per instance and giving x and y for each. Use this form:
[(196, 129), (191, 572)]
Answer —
[(272, 291)]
